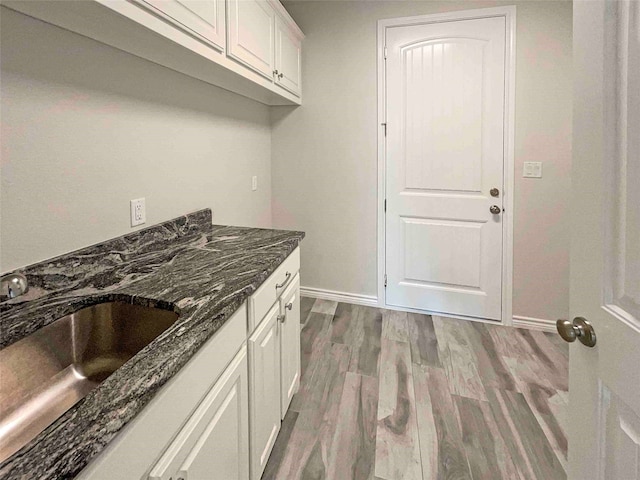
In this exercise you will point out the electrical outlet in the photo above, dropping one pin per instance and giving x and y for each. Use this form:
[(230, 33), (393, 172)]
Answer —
[(254, 183), (532, 170), (138, 212)]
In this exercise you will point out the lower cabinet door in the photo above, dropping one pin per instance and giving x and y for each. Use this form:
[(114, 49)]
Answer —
[(264, 392), (214, 443), (289, 344)]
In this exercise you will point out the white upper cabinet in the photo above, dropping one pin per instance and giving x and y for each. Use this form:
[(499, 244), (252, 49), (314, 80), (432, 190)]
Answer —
[(251, 34), (288, 58), (263, 37), (204, 19), (234, 44)]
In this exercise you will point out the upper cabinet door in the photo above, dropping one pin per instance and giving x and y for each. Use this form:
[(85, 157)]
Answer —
[(251, 39), (288, 58), (203, 19)]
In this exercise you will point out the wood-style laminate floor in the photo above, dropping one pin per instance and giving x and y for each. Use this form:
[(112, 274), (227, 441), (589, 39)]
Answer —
[(388, 395)]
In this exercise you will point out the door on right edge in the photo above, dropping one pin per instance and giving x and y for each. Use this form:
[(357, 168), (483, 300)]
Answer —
[(445, 101), (604, 380)]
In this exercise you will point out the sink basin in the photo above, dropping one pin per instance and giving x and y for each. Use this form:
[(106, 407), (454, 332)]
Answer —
[(45, 374)]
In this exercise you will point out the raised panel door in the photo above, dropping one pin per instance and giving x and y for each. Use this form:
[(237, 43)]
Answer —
[(289, 344), (214, 443), (288, 59), (604, 381), (204, 19), (445, 98), (251, 34), (264, 390)]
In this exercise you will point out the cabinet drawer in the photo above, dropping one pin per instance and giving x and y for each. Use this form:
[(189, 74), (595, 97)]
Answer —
[(269, 292)]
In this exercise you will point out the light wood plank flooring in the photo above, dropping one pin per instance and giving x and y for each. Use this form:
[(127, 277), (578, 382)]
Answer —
[(388, 395)]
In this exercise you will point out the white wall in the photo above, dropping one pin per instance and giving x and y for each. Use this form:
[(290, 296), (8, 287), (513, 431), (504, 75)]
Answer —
[(86, 128), (324, 153)]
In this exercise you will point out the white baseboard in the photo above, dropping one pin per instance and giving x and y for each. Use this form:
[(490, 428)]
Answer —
[(534, 323), (372, 301), (368, 300)]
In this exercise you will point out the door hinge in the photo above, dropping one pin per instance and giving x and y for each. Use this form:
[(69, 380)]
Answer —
[(385, 204), (385, 128), (385, 52), (385, 280)]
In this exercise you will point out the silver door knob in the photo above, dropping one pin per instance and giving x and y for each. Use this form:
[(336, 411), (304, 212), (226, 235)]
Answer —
[(494, 192), (495, 209), (580, 328)]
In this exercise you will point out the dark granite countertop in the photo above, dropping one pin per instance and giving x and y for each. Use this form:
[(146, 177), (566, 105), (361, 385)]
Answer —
[(202, 271)]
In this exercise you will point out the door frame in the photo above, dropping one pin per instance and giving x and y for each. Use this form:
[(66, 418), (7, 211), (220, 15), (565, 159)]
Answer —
[(508, 188)]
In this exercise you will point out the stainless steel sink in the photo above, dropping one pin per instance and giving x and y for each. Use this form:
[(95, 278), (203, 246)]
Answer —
[(45, 374)]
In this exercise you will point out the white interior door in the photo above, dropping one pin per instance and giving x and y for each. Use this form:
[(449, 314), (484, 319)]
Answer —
[(445, 100), (604, 388)]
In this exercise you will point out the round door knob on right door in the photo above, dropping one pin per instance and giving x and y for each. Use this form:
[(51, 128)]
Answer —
[(495, 209), (580, 328)]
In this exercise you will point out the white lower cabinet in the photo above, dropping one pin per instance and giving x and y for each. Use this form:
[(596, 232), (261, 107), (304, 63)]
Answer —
[(274, 358), (196, 426), (219, 417), (264, 375), (214, 443), (289, 344)]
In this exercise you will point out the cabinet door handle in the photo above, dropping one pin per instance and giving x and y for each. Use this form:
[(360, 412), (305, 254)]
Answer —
[(275, 72), (282, 318), (280, 75), (287, 277), (289, 306)]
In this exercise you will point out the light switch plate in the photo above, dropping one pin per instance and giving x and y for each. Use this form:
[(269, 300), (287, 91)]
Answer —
[(532, 170), (138, 212)]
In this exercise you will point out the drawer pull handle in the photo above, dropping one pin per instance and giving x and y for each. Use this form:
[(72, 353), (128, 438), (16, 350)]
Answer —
[(289, 306), (286, 280)]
